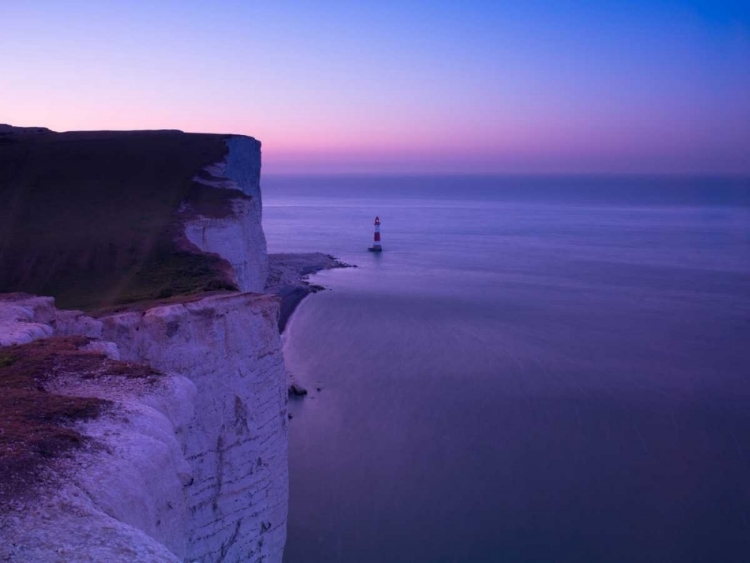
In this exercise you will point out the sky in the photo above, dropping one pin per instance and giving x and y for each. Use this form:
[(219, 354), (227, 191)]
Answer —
[(403, 87)]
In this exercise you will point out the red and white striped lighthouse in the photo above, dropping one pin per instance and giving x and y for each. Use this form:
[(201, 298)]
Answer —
[(376, 243)]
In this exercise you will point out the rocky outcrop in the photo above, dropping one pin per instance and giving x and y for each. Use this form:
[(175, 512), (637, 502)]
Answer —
[(24, 318), (288, 278)]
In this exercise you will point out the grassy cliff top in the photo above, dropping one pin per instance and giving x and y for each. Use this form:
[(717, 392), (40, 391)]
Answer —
[(93, 218)]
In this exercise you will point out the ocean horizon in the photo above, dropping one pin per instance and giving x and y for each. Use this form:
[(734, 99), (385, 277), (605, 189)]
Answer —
[(546, 368)]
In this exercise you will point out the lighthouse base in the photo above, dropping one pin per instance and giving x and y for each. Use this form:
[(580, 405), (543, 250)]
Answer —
[(376, 248)]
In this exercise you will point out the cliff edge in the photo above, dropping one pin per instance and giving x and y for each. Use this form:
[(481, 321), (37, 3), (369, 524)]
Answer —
[(151, 426), (103, 218)]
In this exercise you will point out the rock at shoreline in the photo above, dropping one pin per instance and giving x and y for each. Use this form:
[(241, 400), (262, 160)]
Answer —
[(287, 278), (296, 390)]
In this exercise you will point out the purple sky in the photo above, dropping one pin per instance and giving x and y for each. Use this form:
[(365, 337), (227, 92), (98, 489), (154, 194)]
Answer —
[(399, 87)]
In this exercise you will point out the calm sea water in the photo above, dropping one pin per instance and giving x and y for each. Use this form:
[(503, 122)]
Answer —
[(535, 370)]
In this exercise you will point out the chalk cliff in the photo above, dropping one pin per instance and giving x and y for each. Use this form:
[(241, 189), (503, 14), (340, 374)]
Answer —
[(233, 235), (189, 465)]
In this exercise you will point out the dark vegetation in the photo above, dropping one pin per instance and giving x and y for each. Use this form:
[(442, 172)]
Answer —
[(93, 218), (35, 424)]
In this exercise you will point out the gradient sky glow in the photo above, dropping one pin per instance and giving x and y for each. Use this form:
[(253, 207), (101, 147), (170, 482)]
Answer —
[(439, 87)]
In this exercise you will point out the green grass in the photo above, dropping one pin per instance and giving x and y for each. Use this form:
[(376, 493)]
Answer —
[(92, 218)]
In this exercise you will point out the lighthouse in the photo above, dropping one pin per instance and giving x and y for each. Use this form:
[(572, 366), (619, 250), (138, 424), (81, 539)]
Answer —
[(376, 242)]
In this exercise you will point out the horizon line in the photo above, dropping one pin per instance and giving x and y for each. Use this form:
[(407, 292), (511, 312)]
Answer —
[(704, 175)]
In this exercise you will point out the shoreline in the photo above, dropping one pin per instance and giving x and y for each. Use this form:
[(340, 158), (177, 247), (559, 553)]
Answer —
[(288, 278)]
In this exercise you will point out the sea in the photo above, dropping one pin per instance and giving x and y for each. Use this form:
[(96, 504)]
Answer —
[(535, 369)]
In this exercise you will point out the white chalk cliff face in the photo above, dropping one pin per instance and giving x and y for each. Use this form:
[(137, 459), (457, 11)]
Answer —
[(239, 238), (236, 445), (194, 466)]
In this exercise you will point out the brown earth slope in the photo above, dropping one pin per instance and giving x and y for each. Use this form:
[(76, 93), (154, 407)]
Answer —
[(93, 218)]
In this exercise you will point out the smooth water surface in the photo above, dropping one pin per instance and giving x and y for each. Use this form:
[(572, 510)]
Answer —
[(535, 369)]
